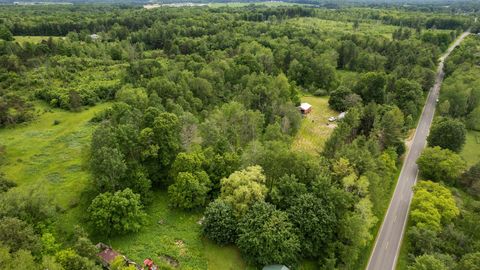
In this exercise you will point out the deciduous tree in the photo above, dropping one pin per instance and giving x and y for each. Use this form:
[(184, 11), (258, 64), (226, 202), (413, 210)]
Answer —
[(266, 236), (448, 134), (116, 213)]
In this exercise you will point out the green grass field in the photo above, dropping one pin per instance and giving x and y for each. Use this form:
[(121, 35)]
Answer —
[(32, 39), (339, 28), (41, 154), (314, 130), (471, 150), (174, 233)]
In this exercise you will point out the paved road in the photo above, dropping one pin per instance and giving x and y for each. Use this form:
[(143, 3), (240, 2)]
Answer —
[(389, 239)]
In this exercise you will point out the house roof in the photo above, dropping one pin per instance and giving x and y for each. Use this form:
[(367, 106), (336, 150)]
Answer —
[(108, 255), (305, 106), (275, 267)]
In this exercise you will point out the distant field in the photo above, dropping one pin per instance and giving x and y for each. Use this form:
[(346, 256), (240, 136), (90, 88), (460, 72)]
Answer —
[(340, 28), (314, 130), (32, 39), (266, 3), (471, 150), (175, 233)]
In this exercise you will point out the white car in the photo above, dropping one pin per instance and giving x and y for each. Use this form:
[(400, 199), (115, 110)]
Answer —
[(332, 119)]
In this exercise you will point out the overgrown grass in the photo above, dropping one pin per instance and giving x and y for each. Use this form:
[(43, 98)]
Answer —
[(176, 234), (339, 28), (32, 39), (471, 150), (40, 153), (314, 130)]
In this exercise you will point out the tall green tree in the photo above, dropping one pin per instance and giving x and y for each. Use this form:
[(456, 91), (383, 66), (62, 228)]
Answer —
[(266, 236), (244, 188), (189, 190), (315, 220), (432, 206), (371, 87), (116, 213), (440, 164), (447, 133), (220, 224), (428, 262), (5, 33)]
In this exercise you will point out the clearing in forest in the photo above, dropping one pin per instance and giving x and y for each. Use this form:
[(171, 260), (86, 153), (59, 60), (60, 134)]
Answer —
[(315, 128), (471, 149), (50, 155)]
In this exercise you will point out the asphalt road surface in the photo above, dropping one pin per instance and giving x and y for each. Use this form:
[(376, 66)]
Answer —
[(389, 239)]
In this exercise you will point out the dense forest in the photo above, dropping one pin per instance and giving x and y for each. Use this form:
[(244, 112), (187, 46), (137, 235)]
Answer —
[(203, 106)]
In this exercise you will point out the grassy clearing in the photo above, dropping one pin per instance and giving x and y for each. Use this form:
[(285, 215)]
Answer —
[(314, 130), (50, 156), (471, 150), (32, 39), (174, 233), (338, 28)]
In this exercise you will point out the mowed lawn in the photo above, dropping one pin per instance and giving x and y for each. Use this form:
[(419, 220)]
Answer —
[(314, 130), (471, 150)]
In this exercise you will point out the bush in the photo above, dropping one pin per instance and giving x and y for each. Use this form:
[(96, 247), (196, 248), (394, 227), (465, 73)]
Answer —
[(320, 93), (5, 184)]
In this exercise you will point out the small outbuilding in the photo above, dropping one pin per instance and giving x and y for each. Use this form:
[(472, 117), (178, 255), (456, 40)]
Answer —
[(305, 108), (107, 255), (94, 37), (275, 267), (341, 115)]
